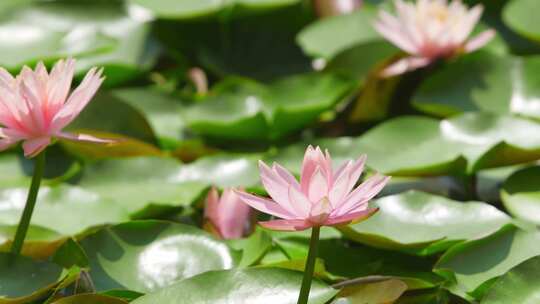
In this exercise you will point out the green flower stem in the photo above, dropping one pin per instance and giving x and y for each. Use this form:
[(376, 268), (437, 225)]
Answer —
[(22, 229), (310, 266)]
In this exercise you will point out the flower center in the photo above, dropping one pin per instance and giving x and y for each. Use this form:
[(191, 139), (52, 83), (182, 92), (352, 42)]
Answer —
[(439, 12), (320, 211)]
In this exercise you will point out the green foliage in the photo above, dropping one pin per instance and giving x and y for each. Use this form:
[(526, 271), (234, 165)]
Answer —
[(425, 224), (521, 194), (280, 285), (520, 284), (145, 256)]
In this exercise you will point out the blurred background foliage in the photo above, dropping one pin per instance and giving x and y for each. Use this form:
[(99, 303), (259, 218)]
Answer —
[(199, 90)]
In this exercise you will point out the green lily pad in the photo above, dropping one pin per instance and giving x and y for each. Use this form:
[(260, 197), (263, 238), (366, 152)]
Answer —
[(110, 117), (257, 285), (243, 110), (519, 15), (11, 4), (70, 254), (387, 291), (68, 210), (187, 9), (413, 145), (483, 81), (16, 177), (108, 113), (40, 243), (480, 138), (490, 181), (474, 265), (438, 185), (126, 295), (146, 256), (341, 258), (418, 150), (253, 247), (90, 299), (23, 280), (162, 111), (122, 147), (519, 285), (320, 271), (521, 194), (32, 41), (89, 32), (144, 186), (424, 224), (223, 170), (362, 61), (329, 36), (224, 45)]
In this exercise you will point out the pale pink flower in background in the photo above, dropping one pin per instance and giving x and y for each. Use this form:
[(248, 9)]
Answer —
[(35, 106), (430, 30), (323, 197), (229, 216)]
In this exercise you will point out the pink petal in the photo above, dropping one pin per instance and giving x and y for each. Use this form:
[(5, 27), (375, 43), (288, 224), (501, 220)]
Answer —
[(5, 77), (467, 25), (33, 147), (41, 72), (32, 89), (318, 186), (479, 41), (356, 171), (234, 217), (320, 211), (78, 99), (390, 28), (6, 143), (313, 159), (60, 78), (405, 65), (350, 217), (285, 175), (85, 138), (229, 215), (12, 108), (299, 202), (340, 188), (287, 225), (361, 195), (264, 205), (308, 167), (341, 168), (12, 134), (6, 139), (211, 210), (276, 187), (327, 161)]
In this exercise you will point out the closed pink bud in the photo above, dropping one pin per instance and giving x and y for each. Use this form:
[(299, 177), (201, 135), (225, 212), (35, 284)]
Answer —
[(323, 197), (36, 105), (229, 217)]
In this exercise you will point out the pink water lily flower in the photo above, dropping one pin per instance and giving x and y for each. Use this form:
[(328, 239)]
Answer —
[(323, 197), (36, 105), (430, 30), (228, 215)]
